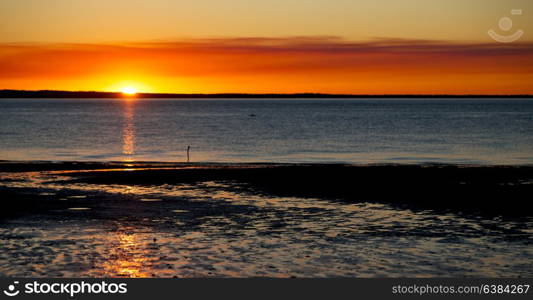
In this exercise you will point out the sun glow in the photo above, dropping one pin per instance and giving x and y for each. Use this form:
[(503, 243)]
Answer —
[(130, 91)]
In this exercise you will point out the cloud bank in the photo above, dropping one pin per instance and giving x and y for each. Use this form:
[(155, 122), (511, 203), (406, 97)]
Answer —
[(293, 64)]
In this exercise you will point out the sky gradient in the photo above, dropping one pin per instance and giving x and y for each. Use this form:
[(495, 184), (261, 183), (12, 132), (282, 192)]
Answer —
[(338, 46)]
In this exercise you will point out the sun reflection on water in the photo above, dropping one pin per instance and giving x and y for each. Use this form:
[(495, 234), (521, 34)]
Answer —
[(126, 258), (128, 133)]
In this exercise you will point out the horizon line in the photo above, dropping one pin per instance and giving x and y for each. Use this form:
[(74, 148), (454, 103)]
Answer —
[(14, 93)]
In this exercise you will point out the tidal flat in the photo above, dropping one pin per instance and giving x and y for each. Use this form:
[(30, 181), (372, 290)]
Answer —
[(264, 220)]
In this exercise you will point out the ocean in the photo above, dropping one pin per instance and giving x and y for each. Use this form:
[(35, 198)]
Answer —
[(359, 131), (136, 219)]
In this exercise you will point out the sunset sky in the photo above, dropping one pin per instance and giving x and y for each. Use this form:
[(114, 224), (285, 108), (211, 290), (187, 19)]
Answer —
[(289, 46)]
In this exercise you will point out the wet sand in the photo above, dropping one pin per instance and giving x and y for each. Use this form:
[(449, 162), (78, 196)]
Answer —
[(273, 220)]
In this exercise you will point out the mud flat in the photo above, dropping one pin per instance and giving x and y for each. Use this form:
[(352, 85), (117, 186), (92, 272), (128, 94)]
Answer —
[(271, 220)]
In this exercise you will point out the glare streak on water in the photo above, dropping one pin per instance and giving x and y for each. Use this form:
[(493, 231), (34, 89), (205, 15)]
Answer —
[(484, 131)]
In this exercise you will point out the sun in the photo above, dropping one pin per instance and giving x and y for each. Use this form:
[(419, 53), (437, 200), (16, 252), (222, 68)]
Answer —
[(130, 91)]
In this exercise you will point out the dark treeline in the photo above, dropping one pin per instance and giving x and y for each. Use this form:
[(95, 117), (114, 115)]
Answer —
[(93, 94)]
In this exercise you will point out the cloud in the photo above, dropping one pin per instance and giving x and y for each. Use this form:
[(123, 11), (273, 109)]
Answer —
[(330, 58)]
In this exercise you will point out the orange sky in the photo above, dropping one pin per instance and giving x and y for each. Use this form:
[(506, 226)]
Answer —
[(334, 46), (262, 65)]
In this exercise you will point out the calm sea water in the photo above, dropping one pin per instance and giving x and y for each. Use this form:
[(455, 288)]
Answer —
[(484, 131)]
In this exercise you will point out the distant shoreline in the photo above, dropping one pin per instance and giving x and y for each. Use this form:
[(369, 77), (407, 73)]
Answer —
[(93, 94), (7, 165)]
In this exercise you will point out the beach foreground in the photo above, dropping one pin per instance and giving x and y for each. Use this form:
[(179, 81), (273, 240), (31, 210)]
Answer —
[(274, 220)]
